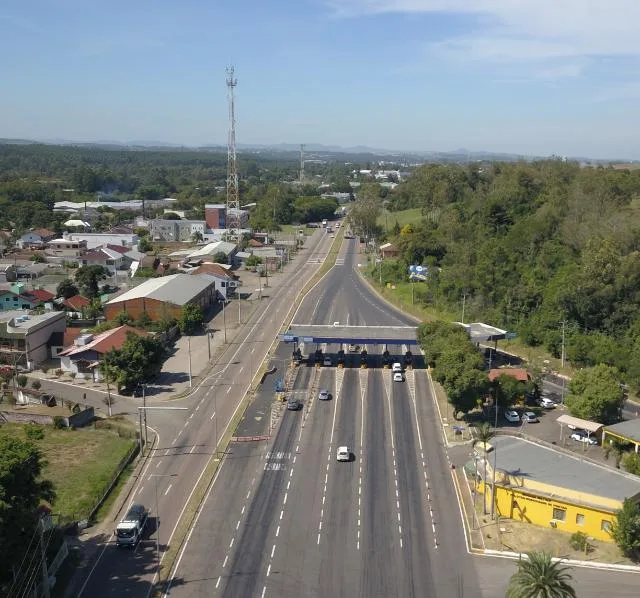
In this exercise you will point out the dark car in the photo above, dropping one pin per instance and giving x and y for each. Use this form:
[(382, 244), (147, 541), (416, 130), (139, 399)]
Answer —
[(293, 404)]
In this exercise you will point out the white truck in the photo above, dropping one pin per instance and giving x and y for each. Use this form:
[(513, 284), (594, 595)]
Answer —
[(129, 530), (324, 223)]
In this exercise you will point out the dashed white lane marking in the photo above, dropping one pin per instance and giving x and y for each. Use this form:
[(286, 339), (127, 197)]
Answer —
[(277, 531), (197, 406), (158, 464), (228, 390), (191, 416), (269, 570), (193, 448), (395, 465), (238, 524), (167, 490), (243, 508), (240, 370), (273, 550), (224, 564), (264, 589), (231, 543), (213, 415), (218, 582), (139, 491)]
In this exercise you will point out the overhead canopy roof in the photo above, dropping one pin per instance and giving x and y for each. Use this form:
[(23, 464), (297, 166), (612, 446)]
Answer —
[(481, 333), (582, 424), (372, 335)]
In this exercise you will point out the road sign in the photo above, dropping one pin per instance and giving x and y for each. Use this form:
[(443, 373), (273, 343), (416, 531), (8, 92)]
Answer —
[(288, 338), (307, 339)]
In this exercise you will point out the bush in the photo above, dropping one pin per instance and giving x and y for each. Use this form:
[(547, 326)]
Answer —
[(22, 380), (34, 432), (44, 369), (59, 372), (579, 542), (36, 384), (58, 422), (631, 462), (11, 399)]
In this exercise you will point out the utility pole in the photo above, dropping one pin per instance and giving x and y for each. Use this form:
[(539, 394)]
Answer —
[(233, 196), (45, 571), (189, 349), (495, 452), (563, 339), (464, 301), (224, 319), (144, 407), (301, 163)]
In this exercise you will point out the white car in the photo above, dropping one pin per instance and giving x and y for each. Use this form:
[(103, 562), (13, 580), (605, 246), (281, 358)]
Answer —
[(396, 367), (398, 377), (512, 416), (583, 437), (547, 403), (343, 454), (327, 361), (530, 417)]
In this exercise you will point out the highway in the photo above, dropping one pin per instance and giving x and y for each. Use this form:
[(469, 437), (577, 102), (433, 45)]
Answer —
[(385, 524), (186, 441)]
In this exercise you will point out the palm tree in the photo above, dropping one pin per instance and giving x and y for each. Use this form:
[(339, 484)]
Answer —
[(484, 433), (539, 577)]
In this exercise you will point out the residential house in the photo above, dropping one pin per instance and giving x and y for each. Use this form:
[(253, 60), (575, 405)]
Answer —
[(163, 298), (38, 237), (105, 257), (24, 338), (66, 250), (212, 249), (84, 356), (41, 295), (176, 230), (8, 273), (388, 250), (59, 341), (94, 240), (224, 282), (15, 297), (76, 305)]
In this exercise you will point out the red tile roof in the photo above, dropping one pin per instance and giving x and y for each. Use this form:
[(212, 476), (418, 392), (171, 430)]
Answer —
[(40, 295), (105, 341), (255, 243), (517, 373), (215, 269), (70, 335), (118, 248), (76, 303)]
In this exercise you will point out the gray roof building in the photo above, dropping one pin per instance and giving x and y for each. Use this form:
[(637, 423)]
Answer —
[(178, 289), (628, 430)]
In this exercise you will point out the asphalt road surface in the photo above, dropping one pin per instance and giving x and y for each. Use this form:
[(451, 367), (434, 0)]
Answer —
[(187, 439)]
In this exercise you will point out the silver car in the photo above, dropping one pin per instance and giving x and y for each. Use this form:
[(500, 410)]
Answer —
[(324, 395)]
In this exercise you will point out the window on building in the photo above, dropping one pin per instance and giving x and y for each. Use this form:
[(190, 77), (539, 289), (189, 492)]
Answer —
[(579, 519), (559, 514), (605, 525)]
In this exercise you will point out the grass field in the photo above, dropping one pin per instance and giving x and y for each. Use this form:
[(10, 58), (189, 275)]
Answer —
[(402, 217), (80, 463)]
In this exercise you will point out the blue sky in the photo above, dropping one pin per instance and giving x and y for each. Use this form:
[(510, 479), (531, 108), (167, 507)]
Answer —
[(526, 76)]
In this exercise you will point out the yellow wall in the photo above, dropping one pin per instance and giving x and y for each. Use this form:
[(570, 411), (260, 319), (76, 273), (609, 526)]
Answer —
[(518, 504)]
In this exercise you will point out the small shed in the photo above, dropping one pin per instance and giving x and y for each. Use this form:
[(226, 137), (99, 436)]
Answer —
[(575, 423), (627, 431)]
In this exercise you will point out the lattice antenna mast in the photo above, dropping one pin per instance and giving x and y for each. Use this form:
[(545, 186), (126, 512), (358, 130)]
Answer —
[(301, 163), (233, 198)]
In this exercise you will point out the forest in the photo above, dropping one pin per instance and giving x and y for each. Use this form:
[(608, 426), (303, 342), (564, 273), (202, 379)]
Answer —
[(535, 248)]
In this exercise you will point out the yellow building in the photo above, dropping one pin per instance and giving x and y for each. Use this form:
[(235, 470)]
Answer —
[(550, 488), (627, 431)]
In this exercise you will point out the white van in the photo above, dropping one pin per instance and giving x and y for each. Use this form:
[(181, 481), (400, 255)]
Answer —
[(396, 367)]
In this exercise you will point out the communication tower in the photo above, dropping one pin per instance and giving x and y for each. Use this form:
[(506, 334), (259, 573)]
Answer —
[(233, 198), (301, 163)]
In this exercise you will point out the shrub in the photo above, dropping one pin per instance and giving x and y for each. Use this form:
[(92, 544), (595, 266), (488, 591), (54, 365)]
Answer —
[(36, 384), (59, 372), (44, 369), (11, 399), (22, 380), (579, 542), (631, 462), (34, 432), (58, 422)]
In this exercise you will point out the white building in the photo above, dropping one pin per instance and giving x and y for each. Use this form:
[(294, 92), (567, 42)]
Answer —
[(100, 239)]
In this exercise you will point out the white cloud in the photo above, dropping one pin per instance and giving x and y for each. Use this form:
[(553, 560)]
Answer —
[(517, 30)]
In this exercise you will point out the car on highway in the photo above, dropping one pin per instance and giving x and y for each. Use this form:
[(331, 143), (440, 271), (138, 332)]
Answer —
[(327, 360), (546, 403), (293, 404), (353, 348), (398, 377), (582, 436), (324, 395), (512, 416), (530, 417), (396, 367), (343, 454)]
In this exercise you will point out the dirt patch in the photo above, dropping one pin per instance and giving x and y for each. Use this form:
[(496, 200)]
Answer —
[(455, 431)]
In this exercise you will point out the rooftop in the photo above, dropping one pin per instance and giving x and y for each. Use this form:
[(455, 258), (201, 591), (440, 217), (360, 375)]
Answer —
[(11, 323), (77, 302), (481, 333), (105, 341), (213, 248), (178, 289), (524, 459), (629, 429), (213, 269), (517, 373), (390, 335)]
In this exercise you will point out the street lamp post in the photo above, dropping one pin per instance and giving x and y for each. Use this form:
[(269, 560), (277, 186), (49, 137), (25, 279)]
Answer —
[(189, 350), (224, 319)]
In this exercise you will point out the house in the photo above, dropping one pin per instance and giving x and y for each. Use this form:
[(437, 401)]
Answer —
[(75, 223), (94, 240), (627, 432), (270, 256), (38, 237), (388, 250), (76, 304), (66, 249), (8, 273), (217, 216), (103, 256), (518, 373), (224, 282), (24, 338), (86, 353), (212, 249), (543, 486), (15, 297), (58, 341), (40, 295), (163, 298)]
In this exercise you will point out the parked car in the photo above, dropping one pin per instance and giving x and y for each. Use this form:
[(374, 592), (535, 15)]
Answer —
[(398, 377), (582, 436), (324, 395), (512, 416), (530, 417), (546, 403), (353, 348)]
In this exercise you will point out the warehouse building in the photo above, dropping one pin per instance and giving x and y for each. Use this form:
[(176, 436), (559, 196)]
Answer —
[(546, 487), (163, 298)]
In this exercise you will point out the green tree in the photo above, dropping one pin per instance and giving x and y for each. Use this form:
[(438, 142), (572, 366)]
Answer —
[(138, 361), (596, 394), (631, 462), (539, 577), (220, 258), (89, 278), (507, 390), (191, 318), (253, 260), (66, 289), (144, 245), (21, 491), (625, 529), (197, 237)]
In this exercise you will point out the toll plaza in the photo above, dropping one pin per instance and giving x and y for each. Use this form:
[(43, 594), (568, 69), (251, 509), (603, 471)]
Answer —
[(312, 343)]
